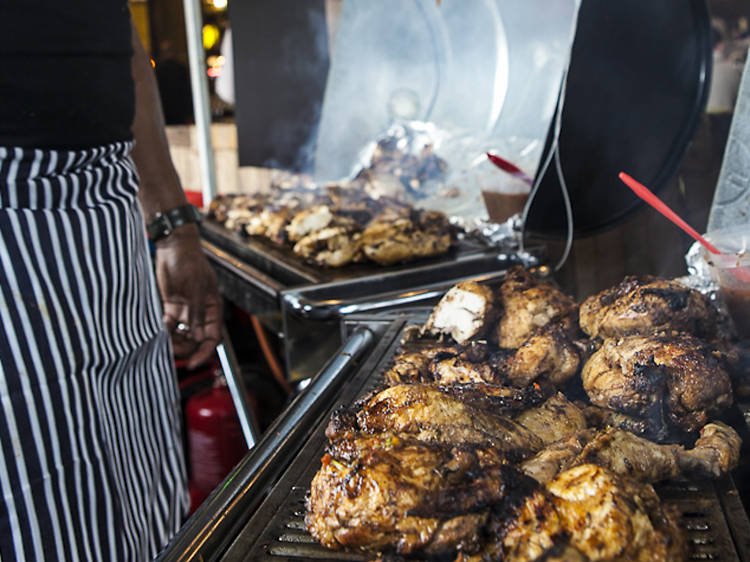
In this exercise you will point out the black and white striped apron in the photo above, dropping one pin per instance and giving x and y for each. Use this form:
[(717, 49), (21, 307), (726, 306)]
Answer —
[(91, 463)]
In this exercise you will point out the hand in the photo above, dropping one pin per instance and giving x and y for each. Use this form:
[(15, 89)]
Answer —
[(190, 296)]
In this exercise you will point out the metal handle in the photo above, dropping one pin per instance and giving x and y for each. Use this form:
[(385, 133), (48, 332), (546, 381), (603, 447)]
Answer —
[(206, 534), (236, 386), (249, 274), (335, 308)]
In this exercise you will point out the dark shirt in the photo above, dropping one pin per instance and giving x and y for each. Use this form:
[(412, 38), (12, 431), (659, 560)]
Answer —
[(174, 88), (65, 77)]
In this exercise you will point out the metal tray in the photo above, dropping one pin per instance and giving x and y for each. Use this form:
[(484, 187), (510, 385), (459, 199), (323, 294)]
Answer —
[(304, 304)]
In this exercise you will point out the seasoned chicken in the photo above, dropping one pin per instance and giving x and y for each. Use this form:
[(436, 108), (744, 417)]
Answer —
[(610, 517), (528, 304), (414, 366), (585, 513), (385, 491), (466, 311), (219, 209), (270, 224), (332, 246), (601, 418), (646, 305), (524, 531), (547, 357), (390, 239), (547, 354), (714, 454), (557, 456), (497, 400), (308, 221), (665, 379), (236, 219), (553, 420), (629, 455), (465, 368), (428, 414)]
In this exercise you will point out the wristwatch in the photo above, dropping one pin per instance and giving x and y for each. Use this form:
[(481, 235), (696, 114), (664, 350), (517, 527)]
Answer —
[(164, 223)]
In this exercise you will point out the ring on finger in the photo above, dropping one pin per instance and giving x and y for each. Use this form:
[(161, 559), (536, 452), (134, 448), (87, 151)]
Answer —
[(182, 328)]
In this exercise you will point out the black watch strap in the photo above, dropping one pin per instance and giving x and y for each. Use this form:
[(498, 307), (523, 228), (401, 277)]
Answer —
[(164, 223)]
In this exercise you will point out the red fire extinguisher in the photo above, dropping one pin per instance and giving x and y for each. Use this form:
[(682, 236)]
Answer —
[(214, 436)]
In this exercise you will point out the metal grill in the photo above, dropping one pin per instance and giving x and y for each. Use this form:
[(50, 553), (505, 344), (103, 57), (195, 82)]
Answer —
[(702, 517), (712, 514)]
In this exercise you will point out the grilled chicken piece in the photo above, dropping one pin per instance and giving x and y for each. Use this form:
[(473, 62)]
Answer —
[(646, 305), (466, 311), (461, 369), (553, 420), (236, 219), (547, 354), (270, 224), (308, 221), (427, 413), (384, 491), (629, 455), (528, 304), (219, 209), (332, 246), (473, 362), (525, 531), (672, 378), (610, 517), (414, 366), (548, 357), (557, 456), (601, 418), (716, 452), (497, 400), (391, 239), (585, 513)]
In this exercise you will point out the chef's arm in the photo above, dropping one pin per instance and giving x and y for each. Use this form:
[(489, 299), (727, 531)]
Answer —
[(160, 188), (186, 281)]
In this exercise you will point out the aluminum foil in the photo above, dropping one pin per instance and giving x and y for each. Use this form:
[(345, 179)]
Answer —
[(699, 278), (431, 168)]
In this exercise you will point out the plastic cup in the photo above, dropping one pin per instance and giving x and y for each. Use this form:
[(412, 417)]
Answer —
[(734, 285)]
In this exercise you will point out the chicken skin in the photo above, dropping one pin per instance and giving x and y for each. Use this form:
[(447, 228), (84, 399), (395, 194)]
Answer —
[(527, 304), (584, 513), (332, 246), (646, 305), (714, 454), (425, 413), (669, 380), (466, 311), (391, 239), (385, 491)]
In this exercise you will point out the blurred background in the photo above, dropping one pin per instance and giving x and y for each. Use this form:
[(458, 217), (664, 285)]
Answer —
[(267, 42)]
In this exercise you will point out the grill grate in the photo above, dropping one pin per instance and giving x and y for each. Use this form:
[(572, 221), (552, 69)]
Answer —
[(710, 511)]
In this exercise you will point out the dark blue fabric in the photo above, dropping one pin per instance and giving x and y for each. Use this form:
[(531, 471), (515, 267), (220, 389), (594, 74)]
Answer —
[(65, 79)]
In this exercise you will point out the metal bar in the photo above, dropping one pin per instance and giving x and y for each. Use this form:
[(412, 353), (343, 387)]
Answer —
[(249, 274), (336, 308), (236, 386), (201, 106), (205, 535)]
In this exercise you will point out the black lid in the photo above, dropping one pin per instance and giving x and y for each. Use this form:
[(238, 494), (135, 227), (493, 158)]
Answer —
[(636, 90)]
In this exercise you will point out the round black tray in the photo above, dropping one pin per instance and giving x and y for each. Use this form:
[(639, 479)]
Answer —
[(637, 87)]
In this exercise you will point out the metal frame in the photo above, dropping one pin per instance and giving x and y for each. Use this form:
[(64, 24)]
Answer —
[(216, 522)]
